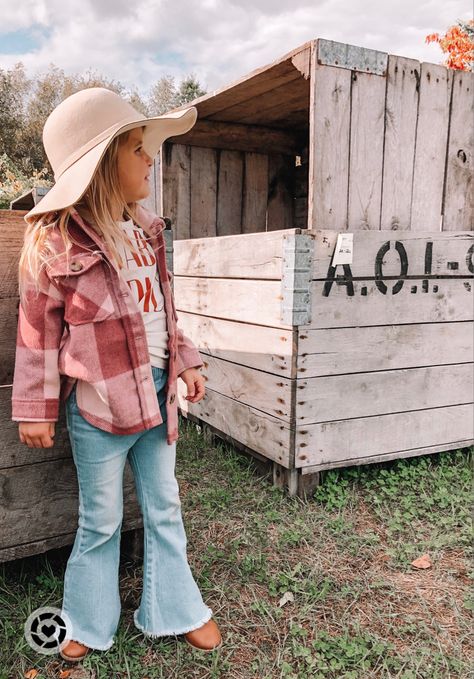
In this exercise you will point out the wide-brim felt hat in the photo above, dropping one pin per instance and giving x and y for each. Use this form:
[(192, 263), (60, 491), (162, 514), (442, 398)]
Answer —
[(78, 131)]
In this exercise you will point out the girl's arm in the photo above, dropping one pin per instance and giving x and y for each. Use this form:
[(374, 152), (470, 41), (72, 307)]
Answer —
[(36, 379), (187, 354)]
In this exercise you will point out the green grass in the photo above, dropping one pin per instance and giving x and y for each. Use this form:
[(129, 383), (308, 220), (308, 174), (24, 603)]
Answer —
[(322, 589)]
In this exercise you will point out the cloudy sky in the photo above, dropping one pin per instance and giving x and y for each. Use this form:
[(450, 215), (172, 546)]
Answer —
[(216, 40)]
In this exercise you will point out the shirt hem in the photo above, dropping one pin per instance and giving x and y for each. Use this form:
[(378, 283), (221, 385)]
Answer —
[(113, 429)]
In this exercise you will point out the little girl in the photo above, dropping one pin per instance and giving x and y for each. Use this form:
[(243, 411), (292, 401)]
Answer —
[(97, 330)]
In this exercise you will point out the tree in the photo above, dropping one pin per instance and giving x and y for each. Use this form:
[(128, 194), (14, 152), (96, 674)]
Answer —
[(26, 103), (458, 42), (188, 90)]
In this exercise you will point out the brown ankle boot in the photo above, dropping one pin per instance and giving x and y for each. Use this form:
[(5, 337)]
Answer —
[(206, 638), (74, 651)]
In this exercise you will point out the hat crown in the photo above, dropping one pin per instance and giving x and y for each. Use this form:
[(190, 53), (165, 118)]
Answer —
[(81, 121)]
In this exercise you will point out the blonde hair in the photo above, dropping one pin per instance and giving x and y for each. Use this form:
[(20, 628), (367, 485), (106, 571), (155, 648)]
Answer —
[(99, 206)]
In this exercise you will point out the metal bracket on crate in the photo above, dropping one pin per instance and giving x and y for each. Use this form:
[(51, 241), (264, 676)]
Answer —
[(168, 236), (353, 57), (296, 279)]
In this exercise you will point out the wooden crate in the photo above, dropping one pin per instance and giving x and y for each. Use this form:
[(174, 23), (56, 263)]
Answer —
[(311, 366), (314, 366)]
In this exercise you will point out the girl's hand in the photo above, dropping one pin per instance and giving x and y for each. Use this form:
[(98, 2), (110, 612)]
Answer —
[(37, 434), (195, 383)]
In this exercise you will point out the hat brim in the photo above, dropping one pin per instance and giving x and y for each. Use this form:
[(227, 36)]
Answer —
[(73, 182)]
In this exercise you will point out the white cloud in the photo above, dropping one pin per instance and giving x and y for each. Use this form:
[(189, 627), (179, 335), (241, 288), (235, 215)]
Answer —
[(217, 40)]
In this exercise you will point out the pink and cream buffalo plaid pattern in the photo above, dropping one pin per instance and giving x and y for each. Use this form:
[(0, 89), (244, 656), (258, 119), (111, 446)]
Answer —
[(85, 326)]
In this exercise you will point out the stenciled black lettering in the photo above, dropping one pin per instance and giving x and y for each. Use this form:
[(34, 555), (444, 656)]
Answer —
[(402, 254), (343, 280)]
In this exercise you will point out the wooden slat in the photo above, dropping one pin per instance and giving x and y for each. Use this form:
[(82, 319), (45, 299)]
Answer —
[(452, 302), (260, 302), (359, 350), (255, 194), (176, 188), (258, 255), (247, 344), (415, 248), (399, 144), (459, 192), (372, 459), (241, 137), (430, 149), (329, 146), (341, 397), (8, 332), (251, 85), (252, 255), (268, 392), (281, 179), (273, 107), (229, 197), (382, 435), (257, 430), (203, 191), (252, 301), (366, 151)]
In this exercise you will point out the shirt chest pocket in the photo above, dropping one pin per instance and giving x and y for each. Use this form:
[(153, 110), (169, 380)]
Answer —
[(83, 282)]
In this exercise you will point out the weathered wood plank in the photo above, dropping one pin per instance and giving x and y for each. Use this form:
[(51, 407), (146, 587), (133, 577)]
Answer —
[(341, 397), (375, 254), (253, 301), (268, 392), (399, 145), (203, 191), (259, 301), (8, 332), (371, 459), (252, 85), (247, 344), (329, 113), (257, 430), (347, 440), (379, 254), (453, 301), (430, 148), (231, 136), (251, 255), (363, 349), (255, 193), (281, 179), (176, 188), (229, 197), (366, 151), (459, 192)]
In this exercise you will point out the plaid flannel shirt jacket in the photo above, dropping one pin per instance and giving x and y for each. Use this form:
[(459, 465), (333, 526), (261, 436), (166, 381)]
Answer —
[(85, 326)]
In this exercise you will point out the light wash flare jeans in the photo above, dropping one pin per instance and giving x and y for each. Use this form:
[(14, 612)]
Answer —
[(171, 602)]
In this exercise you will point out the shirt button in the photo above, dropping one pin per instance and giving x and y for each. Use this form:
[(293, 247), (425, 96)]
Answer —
[(172, 398), (76, 266)]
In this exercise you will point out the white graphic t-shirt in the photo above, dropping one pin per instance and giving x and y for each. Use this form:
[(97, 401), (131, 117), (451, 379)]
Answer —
[(141, 274)]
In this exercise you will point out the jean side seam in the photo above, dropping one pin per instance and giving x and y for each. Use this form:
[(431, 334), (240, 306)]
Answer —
[(148, 566)]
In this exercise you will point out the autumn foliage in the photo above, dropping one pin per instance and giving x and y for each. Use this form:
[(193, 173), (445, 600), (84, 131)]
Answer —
[(458, 43)]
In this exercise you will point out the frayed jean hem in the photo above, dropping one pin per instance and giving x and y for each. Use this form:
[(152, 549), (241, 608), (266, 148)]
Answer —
[(92, 648), (170, 632)]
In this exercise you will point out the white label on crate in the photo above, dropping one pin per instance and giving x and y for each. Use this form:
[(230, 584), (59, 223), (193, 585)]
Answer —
[(343, 250)]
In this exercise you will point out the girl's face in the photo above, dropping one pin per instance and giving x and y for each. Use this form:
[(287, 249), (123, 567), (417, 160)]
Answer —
[(133, 165)]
